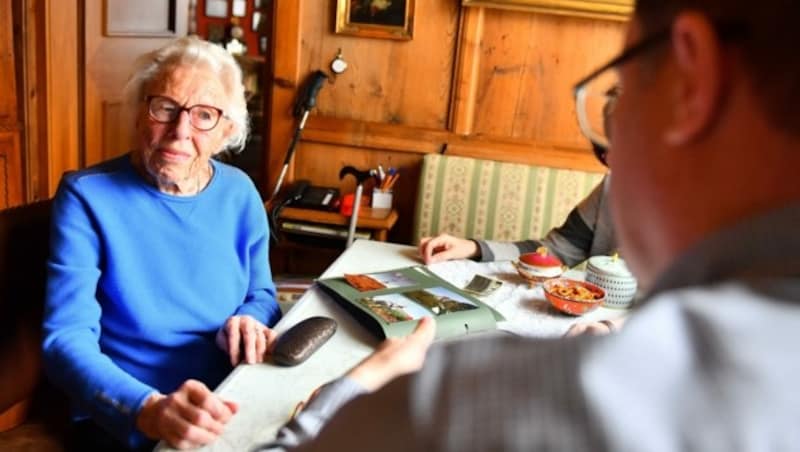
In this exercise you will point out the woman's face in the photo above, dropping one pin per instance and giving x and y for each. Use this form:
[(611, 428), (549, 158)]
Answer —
[(176, 152)]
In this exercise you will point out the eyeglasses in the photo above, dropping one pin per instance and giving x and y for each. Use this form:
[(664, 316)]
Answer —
[(165, 110), (596, 94)]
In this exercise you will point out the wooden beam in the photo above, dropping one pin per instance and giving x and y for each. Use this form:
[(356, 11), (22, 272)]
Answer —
[(465, 84), (285, 42), (393, 137)]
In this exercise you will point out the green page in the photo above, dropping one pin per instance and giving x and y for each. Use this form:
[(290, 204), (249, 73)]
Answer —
[(390, 303)]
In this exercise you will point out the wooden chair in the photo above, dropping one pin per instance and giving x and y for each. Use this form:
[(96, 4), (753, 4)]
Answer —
[(32, 414)]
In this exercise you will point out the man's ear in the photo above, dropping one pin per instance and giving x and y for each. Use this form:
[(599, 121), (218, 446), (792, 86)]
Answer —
[(697, 86)]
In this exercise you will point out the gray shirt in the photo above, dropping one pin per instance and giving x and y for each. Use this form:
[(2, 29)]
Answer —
[(708, 362), (587, 231)]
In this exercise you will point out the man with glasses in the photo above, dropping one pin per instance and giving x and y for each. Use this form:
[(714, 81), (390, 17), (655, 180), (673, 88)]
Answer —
[(707, 213)]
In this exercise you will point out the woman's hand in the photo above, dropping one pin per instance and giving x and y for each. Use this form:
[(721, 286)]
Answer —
[(445, 247), (242, 333), (395, 357), (600, 328), (189, 417)]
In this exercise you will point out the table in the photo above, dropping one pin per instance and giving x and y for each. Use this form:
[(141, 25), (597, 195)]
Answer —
[(267, 394)]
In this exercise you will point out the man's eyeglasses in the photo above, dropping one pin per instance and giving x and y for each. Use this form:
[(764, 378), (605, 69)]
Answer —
[(595, 91), (165, 110)]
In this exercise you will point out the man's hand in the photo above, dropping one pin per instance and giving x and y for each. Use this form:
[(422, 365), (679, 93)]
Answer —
[(445, 247), (189, 417), (600, 328), (395, 357), (244, 333)]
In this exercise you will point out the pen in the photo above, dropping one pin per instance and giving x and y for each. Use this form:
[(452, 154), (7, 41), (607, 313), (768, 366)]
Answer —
[(391, 181)]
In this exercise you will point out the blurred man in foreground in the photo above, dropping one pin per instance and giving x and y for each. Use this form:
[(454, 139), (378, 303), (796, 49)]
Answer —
[(707, 210)]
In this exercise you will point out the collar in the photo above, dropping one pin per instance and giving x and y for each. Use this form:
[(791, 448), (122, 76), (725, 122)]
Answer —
[(761, 247)]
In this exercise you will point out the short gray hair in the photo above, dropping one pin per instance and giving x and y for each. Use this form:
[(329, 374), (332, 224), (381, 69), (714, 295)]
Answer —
[(191, 50)]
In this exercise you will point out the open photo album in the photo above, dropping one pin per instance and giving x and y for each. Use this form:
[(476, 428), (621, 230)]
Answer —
[(390, 303)]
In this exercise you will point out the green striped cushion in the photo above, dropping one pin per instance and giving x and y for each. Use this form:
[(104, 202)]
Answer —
[(476, 198)]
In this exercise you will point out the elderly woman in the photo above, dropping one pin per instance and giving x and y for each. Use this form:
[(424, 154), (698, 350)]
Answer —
[(159, 279)]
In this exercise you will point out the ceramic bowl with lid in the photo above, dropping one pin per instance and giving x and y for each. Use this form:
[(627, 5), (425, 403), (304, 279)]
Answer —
[(539, 266), (612, 275)]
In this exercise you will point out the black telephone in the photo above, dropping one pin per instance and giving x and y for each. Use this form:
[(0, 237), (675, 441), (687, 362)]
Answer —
[(302, 194)]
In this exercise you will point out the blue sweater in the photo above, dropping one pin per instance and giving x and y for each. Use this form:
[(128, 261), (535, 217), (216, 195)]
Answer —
[(139, 283)]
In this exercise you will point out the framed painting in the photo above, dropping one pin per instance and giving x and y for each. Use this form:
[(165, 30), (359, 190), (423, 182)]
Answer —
[(390, 19), (598, 9)]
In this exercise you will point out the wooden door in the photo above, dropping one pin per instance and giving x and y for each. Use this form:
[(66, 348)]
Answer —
[(116, 33), (10, 167)]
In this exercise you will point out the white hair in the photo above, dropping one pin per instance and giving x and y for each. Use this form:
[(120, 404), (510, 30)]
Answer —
[(187, 51)]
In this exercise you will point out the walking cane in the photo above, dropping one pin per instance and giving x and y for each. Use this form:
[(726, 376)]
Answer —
[(360, 176), (305, 102)]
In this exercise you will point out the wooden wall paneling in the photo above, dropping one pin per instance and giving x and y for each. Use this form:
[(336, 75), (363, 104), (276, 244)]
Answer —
[(387, 81), (8, 80), (10, 166), (285, 42), (63, 89), (10, 169), (528, 65), (375, 135), (50, 84), (321, 163), (33, 83), (465, 87), (344, 132)]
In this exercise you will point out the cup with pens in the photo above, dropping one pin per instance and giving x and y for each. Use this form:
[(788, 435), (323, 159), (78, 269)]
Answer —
[(382, 193)]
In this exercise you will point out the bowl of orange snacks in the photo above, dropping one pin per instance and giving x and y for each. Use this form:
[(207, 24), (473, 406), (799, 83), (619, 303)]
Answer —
[(573, 297)]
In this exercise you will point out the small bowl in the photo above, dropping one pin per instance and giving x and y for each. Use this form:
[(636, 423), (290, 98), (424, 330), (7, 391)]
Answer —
[(526, 273), (571, 305)]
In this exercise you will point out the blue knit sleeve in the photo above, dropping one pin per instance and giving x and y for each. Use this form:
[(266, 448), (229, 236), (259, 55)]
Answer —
[(71, 330), (260, 301)]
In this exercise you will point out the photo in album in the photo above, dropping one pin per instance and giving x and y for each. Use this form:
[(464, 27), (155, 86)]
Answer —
[(394, 307), (379, 281)]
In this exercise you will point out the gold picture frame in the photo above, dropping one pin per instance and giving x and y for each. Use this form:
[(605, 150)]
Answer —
[(376, 19), (598, 9)]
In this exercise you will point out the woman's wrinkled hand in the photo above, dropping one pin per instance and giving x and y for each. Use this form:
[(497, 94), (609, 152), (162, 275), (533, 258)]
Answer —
[(246, 339), (395, 357), (190, 417), (445, 247)]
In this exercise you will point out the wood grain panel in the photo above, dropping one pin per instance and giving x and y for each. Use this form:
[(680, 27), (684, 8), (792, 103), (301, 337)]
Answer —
[(8, 80), (321, 164), (63, 81), (116, 133), (395, 82), (10, 170), (528, 65), (285, 81), (423, 141)]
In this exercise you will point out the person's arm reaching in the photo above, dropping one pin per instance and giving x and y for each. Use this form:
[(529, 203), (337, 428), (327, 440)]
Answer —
[(572, 242), (393, 358)]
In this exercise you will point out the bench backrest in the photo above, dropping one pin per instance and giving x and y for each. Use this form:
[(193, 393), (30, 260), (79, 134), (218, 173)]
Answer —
[(492, 200)]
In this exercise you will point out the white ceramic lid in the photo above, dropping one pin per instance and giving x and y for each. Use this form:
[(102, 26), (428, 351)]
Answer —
[(609, 266)]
